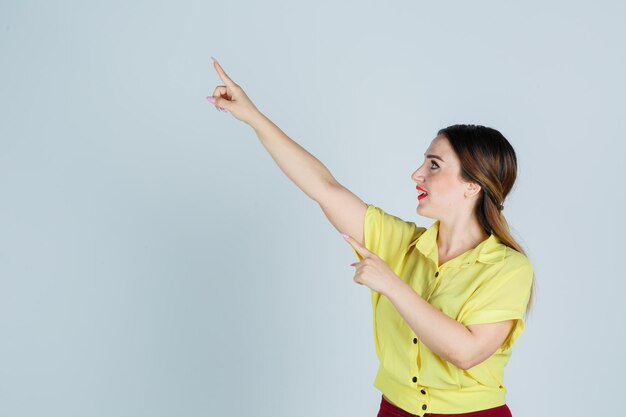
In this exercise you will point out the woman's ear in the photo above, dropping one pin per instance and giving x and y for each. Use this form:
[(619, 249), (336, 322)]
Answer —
[(473, 188)]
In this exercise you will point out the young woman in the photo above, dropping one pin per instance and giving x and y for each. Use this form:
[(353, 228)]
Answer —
[(449, 301)]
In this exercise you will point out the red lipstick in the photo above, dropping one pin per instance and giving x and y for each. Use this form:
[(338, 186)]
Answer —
[(424, 193)]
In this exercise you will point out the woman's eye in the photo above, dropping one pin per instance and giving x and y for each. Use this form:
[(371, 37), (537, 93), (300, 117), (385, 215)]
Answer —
[(433, 162)]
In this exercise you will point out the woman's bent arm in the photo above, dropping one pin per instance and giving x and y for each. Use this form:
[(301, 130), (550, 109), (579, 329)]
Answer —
[(305, 170)]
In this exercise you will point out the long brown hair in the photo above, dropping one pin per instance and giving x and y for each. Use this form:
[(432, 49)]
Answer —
[(488, 159)]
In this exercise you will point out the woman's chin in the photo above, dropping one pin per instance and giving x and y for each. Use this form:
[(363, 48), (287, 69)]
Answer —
[(424, 213)]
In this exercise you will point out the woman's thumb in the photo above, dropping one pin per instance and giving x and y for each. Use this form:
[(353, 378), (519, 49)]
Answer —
[(219, 102)]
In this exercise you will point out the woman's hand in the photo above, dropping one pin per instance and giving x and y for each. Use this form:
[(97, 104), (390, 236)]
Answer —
[(230, 97), (372, 271)]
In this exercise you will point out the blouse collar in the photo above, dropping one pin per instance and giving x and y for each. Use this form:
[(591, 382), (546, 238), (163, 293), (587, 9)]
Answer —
[(489, 251)]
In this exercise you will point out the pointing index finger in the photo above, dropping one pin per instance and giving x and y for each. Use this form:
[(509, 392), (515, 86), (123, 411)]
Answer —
[(356, 245), (225, 78)]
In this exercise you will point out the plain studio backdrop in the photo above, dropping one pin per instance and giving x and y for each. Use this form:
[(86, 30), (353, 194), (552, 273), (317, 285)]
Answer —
[(155, 261)]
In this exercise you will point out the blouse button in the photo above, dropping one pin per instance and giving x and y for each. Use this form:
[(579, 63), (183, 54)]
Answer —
[(423, 392), (415, 340), (436, 274), (424, 407), (414, 379)]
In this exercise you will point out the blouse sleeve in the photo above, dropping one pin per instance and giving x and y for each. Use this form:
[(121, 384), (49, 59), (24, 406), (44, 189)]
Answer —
[(388, 236), (502, 297)]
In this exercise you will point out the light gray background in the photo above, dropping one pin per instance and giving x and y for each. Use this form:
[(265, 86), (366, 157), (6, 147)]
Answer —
[(154, 261)]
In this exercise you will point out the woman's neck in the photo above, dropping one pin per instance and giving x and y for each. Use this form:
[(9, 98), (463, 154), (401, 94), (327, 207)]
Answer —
[(459, 236)]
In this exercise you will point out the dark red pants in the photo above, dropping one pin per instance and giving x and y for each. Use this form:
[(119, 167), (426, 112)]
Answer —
[(389, 410)]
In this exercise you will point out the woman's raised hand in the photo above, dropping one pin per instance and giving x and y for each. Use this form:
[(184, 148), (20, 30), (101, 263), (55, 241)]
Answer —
[(230, 97)]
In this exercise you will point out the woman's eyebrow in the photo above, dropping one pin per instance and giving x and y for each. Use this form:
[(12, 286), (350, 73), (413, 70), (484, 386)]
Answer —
[(434, 156)]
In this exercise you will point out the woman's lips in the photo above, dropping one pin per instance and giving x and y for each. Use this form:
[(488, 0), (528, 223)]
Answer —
[(421, 196)]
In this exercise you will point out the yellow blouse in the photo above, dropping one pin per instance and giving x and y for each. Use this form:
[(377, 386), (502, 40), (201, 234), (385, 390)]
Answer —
[(486, 284)]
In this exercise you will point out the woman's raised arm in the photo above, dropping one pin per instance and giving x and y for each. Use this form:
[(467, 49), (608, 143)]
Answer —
[(345, 210)]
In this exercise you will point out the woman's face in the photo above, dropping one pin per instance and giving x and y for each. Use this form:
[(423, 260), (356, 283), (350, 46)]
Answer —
[(440, 176)]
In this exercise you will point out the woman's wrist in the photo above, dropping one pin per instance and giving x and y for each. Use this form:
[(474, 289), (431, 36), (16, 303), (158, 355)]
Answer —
[(256, 120)]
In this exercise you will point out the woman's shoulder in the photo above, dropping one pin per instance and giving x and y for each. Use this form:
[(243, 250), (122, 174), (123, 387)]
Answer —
[(514, 259), (376, 213)]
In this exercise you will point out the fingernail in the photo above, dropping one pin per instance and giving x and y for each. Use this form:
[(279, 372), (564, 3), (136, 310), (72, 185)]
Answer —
[(214, 59), (345, 236), (211, 99)]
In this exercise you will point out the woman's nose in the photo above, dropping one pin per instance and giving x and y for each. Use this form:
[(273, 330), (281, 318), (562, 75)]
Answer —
[(417, 178)]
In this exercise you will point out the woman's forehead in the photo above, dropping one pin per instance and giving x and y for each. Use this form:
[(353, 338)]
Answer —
[(440, 146)]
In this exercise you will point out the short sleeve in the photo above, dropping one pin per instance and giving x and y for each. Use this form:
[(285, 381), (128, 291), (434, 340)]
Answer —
[(502, 297), (388, 236)]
